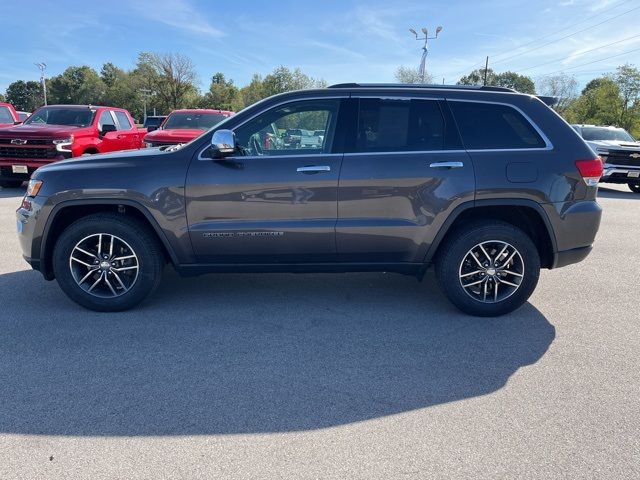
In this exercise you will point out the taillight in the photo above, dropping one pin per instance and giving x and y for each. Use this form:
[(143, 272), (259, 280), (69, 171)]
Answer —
[(590, 170)]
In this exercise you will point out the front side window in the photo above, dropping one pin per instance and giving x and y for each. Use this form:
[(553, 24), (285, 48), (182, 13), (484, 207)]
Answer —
[(74, 117), (488, 126), (5, 115), (123, 120), (399, 125), (290, 129)]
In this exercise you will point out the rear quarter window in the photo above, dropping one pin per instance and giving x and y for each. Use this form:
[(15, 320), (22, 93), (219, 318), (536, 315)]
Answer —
[(123, 120), (486, 126)]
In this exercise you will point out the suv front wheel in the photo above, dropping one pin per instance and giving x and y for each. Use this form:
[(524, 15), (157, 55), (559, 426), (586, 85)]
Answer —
[(107, 262), (488, 269)]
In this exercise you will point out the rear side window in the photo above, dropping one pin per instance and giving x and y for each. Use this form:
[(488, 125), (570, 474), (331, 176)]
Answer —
[(399, 125), (492, 126), (123, 120)]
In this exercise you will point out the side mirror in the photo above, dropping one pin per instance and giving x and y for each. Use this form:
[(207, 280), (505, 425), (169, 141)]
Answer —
[(223, 143), (17, 122), (107, 128), (151, 129)]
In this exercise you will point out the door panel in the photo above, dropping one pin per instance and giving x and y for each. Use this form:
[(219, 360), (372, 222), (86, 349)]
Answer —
[(269, 203), (391, 206), (405, 175)]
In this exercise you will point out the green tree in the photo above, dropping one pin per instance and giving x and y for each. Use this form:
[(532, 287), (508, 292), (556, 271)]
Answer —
[(222, 94), (253, 92), (25, 96), (2, 99), (77, 85), (601, 104), (520, 83), (627, 78), (282, 79)]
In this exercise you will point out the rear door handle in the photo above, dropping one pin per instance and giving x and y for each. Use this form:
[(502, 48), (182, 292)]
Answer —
[(447, 165), (314, 169)]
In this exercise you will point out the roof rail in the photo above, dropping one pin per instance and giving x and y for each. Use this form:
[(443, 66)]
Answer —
[(485, 88)]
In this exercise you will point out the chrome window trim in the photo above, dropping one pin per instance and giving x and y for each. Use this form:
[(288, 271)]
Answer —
[(405, 152), (253, 157), (549, 145), (284, 102)]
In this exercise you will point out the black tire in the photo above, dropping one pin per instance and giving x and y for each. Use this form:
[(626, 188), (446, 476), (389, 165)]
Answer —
[(11, 183), (634, 187), (453, 260), (132, 238)]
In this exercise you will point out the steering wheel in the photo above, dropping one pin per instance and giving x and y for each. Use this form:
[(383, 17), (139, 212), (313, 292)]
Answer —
[(255, 147)]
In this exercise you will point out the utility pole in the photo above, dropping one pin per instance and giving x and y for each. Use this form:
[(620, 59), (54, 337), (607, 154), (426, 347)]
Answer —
[(43, 66), (145, 92), (425, 51), (486, 69)]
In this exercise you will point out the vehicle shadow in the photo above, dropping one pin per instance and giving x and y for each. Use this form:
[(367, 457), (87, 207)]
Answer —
[(12, 192), (225, 354), (604, 192)]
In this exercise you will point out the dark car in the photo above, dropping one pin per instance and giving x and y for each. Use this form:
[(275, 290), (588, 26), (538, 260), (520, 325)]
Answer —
[(153, 122), (486, 184)]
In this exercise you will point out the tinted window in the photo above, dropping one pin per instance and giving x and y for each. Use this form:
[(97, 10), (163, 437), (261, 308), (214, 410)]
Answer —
[(5, 115), (289, 129), (399, 125), (77, 117), (105, 119), (491, 126), (123, 120)]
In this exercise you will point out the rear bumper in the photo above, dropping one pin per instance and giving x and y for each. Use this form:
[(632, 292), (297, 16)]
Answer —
[(575, 225)]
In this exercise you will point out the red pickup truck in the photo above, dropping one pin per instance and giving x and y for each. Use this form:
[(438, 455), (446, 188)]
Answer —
[(57, 132), (182, 126), (8, 115)]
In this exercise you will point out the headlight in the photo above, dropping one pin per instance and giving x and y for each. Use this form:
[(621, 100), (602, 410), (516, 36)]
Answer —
[(33, 188), (63, 142)]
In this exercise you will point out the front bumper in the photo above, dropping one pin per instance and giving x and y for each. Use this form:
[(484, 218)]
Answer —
[(620, 174), (26, 225)]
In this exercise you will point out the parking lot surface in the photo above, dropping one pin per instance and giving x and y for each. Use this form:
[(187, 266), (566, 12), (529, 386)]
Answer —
[(325, 376)]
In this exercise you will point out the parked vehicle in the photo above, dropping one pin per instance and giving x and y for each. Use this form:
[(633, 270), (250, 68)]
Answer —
[(23, 115), (8, 115), (57, 132), (182, 126), (619, 151), (486, 184), (153, 122)]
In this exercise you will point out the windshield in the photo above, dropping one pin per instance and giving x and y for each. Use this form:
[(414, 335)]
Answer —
[(196, 121), (615, 134), (74, 117)]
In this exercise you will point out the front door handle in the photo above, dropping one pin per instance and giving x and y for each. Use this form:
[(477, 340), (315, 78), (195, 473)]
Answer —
[(314, 169), (447, 165)]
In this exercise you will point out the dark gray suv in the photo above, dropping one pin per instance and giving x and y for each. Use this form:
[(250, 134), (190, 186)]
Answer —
[(486, 184)]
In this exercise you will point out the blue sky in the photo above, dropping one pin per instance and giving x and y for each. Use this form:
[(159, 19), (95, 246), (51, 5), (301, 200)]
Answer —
[(339, 41)]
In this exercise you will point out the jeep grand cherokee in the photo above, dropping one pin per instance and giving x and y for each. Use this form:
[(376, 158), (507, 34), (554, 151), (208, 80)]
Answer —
[(486, 184)]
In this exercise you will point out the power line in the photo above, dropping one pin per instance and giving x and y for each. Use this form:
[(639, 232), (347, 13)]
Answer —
[(566, 36), (595, 61), (599, 14), (581, 53), (562, 29)]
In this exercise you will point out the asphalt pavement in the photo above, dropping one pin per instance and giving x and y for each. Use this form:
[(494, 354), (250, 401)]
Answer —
[(341, 376)]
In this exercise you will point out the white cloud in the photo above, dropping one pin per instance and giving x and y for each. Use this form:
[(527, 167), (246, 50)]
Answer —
[(178, 14)]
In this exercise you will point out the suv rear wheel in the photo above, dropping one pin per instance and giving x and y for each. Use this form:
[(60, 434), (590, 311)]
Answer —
[(634, 187), (488, 269), (107, 262)]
